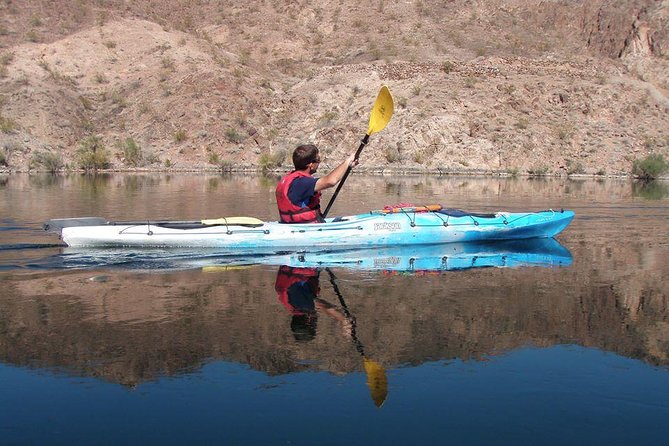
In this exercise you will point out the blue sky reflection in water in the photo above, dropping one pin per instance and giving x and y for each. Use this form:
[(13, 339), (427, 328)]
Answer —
[(557, 395), (173, 348)]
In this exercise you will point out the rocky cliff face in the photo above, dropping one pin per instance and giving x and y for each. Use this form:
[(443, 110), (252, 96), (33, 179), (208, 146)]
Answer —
[(556, 87)]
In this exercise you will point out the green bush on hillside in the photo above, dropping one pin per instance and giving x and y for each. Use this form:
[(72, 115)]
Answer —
[(132, 153), (650, 167), (49, 161), (92, 154)]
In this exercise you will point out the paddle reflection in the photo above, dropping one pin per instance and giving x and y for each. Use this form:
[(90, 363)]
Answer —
[(298, 290)]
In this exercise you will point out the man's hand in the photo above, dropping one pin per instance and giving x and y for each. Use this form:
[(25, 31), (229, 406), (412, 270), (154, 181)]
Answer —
[(352, 161)]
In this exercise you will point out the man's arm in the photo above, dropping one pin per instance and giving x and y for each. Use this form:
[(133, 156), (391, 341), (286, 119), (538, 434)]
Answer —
[(334, 177)]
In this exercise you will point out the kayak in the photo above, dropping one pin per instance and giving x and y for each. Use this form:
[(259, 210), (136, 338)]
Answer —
[(411, 260), (386, 228)]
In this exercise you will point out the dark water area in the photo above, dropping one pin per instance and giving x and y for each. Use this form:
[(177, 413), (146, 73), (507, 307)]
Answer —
[(555, 342)]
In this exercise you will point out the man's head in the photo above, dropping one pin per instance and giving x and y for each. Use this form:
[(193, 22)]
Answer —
[(306, 156)]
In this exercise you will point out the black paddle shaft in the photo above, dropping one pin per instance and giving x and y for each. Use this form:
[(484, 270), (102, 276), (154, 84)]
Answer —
[(363, 143), (347, 313)]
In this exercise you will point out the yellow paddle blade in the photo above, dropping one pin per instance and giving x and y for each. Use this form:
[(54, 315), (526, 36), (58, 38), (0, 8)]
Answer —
[(234, 221), (376, 381), (382, 111)]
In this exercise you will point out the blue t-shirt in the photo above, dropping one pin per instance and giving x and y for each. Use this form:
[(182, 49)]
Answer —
[(301, 190)]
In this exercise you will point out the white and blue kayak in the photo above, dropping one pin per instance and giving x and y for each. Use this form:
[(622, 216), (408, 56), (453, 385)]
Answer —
[(242, 235)]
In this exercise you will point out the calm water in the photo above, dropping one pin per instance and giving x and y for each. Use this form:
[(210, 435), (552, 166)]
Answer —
[(560, 343)]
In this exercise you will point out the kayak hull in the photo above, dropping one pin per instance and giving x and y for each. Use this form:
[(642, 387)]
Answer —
[(357, 231)]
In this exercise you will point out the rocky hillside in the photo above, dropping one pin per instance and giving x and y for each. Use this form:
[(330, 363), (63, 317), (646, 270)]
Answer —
[(550, 87)]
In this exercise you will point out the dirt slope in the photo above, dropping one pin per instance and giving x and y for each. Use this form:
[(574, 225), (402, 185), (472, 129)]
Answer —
[(556, 87)]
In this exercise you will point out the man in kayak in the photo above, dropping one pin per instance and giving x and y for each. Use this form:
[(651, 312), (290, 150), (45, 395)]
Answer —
[(298, 194)]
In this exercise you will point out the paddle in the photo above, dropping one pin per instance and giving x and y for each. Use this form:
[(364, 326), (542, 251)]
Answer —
[(379, 118), (376, 375)]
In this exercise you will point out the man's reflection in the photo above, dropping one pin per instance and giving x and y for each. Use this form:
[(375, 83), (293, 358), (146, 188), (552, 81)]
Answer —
[(298, 290)]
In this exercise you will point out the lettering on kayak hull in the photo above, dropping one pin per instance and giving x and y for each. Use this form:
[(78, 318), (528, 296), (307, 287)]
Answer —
[(388, 226)]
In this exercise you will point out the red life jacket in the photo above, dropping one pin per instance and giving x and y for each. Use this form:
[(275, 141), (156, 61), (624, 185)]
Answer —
[(291, 213), (289, 276)]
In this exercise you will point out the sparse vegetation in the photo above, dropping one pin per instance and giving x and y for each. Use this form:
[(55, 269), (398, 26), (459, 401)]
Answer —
[(180, 135), (226, 165), (538, 171), (3, 158), (574, 167), (269, 161), (392, 154), (6, 59), (522, 123), (32, 36), (7, 125), (168, 63), (47, 160), (328, 117), (447, 66), (233, 135), (650, 167), (214, 158), (470, 82), (132, 153), (92, 154)]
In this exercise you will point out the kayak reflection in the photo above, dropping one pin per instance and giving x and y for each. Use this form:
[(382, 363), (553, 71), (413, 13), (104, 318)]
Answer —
[(421, 259), (298, 289)]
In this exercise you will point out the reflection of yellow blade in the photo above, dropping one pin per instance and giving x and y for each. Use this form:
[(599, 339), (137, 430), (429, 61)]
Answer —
[(221, 268), (376, 381), (382, 111)]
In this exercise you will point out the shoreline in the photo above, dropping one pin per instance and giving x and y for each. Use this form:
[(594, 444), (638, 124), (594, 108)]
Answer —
[(372, 171)]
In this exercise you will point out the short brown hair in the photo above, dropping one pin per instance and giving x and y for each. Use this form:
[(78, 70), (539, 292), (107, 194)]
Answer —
[(303, 155)]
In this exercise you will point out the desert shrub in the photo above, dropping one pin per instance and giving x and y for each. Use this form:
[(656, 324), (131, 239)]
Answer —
[(233, 135), (6, 58), (32, 36), (3, 159), (132, 153), (7, 125), (167, 163), (392, 154), (271, 160), (151, 158), (470, 82), (447, 66), (537, 171), (522, 123), (328, 117), (574, 167), (226, 165), (214, 158), (47, 160), (180, 135), (92, 154), (649, 167)]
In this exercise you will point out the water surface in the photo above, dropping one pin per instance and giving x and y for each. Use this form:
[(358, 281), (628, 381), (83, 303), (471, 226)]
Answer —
[(169, 347)]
